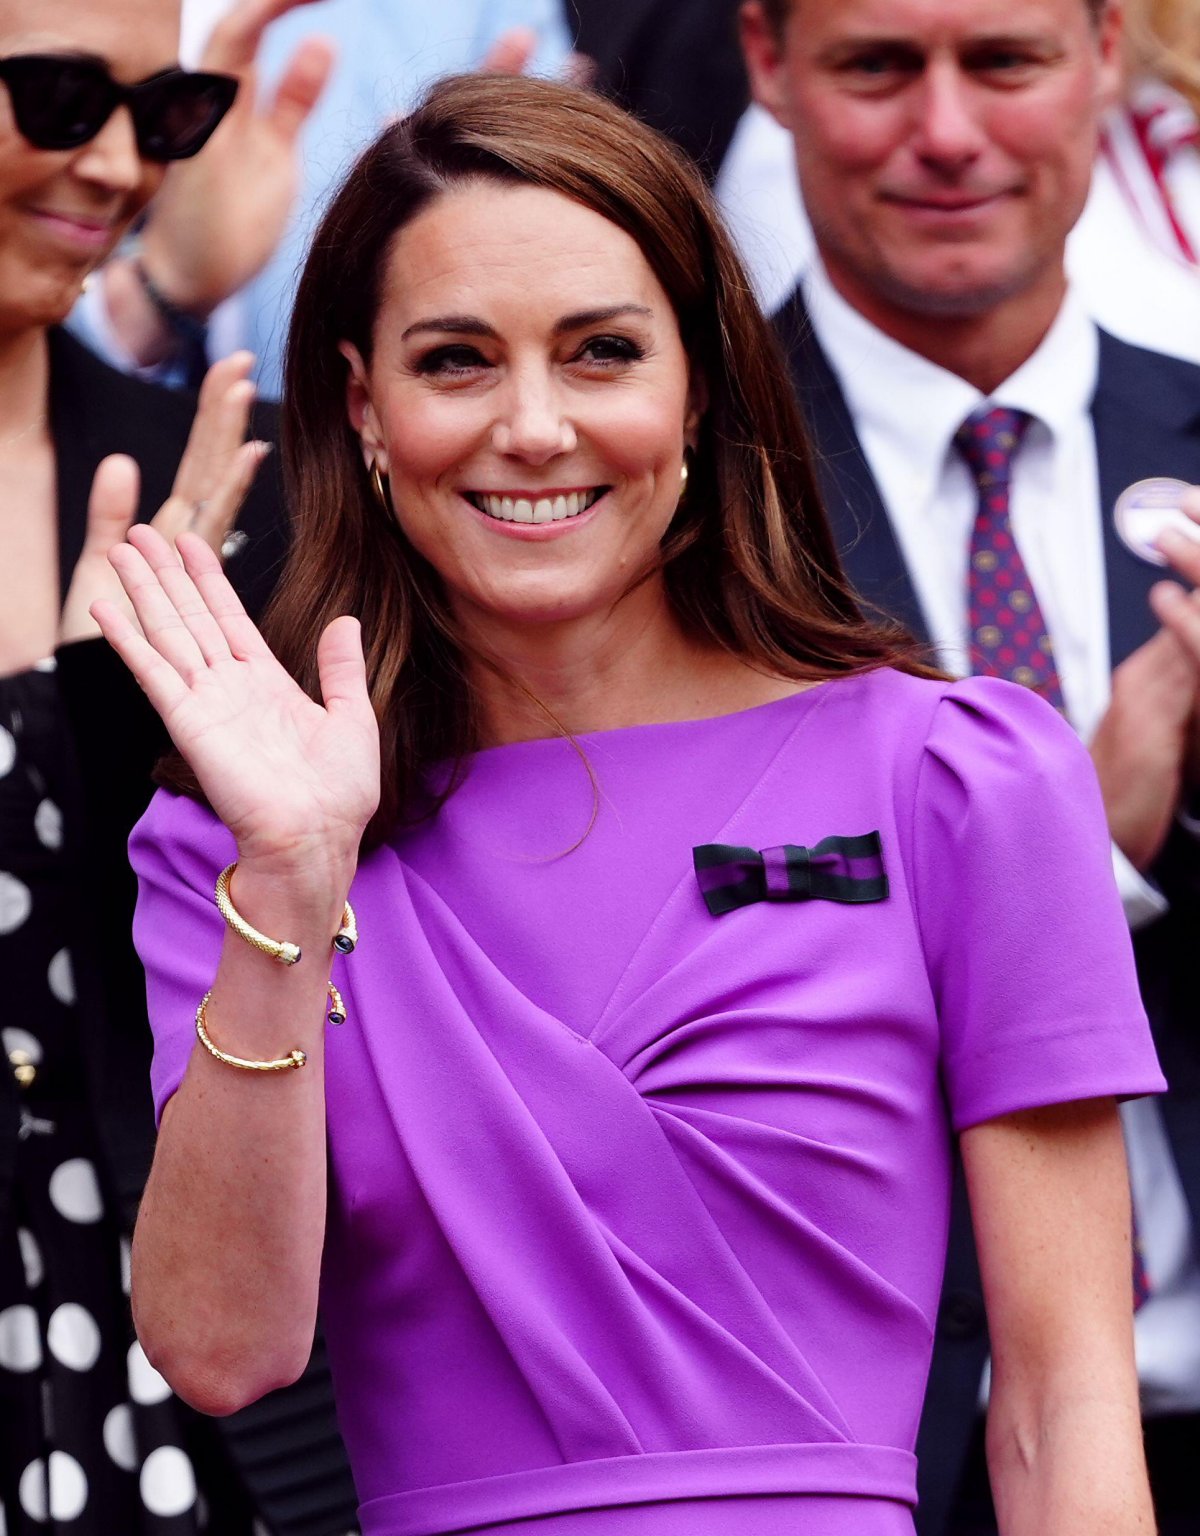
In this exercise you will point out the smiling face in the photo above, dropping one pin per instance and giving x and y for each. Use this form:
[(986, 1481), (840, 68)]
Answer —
[(944, 147), (63, 211), (529, 398)]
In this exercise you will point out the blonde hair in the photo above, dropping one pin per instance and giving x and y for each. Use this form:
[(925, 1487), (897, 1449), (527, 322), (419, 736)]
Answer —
[(1163, 39)]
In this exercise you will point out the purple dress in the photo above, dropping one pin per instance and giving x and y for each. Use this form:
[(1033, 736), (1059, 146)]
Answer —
[(638, 1214)]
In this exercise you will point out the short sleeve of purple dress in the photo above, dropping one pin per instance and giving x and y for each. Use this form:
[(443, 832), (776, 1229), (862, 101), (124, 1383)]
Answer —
[(638, 1212)]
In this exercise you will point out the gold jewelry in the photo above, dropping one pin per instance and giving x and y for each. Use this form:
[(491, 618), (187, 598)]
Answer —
[(337, 1008), (379, 486), (344, 940), (294, 1059), (683, 478), (278, 949)]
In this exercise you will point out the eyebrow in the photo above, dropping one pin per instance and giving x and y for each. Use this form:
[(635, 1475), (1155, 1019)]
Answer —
[(471, 325), (841, 49)]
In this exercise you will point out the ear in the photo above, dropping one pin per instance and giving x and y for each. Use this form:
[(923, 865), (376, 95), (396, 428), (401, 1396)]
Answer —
[(762, 49), (697, 405), (360, 410), (1110, 27)]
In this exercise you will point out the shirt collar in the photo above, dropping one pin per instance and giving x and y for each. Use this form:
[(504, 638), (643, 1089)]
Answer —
[(912, 408)]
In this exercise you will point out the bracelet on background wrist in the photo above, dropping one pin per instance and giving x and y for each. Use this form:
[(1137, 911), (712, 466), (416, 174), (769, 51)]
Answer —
[(190, 331)]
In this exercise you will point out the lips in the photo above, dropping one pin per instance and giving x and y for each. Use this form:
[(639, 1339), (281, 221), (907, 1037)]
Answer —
[(555, 507), (84, 231), (959, 204)]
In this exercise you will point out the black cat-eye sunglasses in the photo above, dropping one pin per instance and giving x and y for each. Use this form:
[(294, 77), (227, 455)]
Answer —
[(60, 102)]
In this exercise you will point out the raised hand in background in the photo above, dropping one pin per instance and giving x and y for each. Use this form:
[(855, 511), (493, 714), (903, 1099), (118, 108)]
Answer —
[(218, 217), (214, 475)]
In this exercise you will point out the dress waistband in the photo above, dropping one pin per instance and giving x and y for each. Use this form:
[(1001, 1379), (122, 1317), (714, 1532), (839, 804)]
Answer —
[(855, 1471)]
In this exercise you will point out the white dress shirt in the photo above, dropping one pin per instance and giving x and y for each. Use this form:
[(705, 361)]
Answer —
[(906, 411)]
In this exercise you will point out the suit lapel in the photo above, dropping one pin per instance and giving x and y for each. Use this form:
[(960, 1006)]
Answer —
[(861, 527), (1146, 416), (1143, 429)]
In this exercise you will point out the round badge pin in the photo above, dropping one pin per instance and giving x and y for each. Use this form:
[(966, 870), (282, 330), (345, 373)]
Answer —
[(1149, 508)]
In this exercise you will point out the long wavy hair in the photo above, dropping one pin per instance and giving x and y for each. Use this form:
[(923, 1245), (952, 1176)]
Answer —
[(748, 562)]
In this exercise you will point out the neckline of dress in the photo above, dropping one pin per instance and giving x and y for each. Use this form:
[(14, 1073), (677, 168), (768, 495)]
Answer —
[(803, 696)]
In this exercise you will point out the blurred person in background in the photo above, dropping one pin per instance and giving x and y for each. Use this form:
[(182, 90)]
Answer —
[(983, 444), (93, 108), (1131, 257), (1135, 254), (678, 66), (238, 225)]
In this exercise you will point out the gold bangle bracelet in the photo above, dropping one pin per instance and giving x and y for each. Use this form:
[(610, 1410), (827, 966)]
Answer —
[(294, 1059), (344, 940)]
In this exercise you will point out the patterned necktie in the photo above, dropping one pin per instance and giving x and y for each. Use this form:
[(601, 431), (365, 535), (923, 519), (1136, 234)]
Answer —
[(1008, 632)]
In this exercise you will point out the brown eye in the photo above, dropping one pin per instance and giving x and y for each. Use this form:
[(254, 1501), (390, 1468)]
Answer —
[(451, 360), (610, 349)]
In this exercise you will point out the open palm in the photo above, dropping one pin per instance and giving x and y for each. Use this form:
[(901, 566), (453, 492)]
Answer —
[(285, 774)]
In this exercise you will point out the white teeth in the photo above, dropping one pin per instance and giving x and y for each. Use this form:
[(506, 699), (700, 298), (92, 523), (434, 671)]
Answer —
[(546, 509)]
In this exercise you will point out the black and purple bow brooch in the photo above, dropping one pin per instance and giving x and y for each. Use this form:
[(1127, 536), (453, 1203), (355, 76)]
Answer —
[(846, 869)]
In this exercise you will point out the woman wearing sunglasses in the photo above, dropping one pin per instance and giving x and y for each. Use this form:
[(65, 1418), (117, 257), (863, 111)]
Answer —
[(93, 109)]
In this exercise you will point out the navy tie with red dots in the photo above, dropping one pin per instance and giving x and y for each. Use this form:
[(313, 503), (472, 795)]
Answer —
[(1008, 633)]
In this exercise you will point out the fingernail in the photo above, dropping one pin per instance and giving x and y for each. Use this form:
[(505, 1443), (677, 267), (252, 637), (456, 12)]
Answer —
[(263, 448), (1168, 595)]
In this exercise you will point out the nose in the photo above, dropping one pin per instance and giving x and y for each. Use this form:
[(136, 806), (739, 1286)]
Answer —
[(531, 423), (949, 134), (111, 160)]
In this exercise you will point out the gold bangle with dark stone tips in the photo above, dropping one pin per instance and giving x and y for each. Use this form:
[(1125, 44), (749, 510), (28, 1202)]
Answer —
[(290, 1062), (344, 940)]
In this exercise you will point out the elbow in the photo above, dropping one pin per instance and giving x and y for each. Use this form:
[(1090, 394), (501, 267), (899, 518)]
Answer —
[(218, 1387), (220, 1379)]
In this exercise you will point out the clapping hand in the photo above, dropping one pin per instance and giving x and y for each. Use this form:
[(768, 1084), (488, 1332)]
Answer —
[(1179, 612), (215, 472), (1147, 748)]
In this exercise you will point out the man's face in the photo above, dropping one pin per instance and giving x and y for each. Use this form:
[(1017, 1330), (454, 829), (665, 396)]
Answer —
[(944, 147)]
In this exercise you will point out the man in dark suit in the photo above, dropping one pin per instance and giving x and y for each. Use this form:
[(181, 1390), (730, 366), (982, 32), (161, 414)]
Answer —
[(978, 436)]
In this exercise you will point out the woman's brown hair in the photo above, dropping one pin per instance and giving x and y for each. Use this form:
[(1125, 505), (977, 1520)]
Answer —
[(748, 561)]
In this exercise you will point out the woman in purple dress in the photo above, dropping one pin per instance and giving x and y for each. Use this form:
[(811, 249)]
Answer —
[(695, 920)]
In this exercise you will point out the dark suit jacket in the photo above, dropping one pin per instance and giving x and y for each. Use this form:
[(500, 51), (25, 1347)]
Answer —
[(1146, 413), (287, 1447), (677, 65)]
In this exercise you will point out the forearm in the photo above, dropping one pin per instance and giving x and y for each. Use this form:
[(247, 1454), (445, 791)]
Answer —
[(227, 1251), (1069, 1466)]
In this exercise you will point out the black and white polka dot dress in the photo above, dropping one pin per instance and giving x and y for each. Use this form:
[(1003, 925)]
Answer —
[(92, 1441)]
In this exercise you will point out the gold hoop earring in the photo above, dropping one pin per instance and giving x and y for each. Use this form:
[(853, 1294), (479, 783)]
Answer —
[(381, 490), (683, 478)]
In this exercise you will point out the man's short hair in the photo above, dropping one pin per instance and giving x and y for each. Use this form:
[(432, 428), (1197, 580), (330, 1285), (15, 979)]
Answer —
[(777, 11)]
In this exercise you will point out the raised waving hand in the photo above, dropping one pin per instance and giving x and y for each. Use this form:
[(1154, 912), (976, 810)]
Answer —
[(294, 780)]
